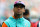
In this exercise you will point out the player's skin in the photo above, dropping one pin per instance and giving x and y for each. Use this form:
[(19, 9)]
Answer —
[(18, 12)]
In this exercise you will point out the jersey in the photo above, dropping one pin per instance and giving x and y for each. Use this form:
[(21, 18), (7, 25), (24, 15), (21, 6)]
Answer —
[(20, 22)]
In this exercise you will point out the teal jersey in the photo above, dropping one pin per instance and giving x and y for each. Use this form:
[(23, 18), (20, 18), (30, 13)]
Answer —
[(20, 22)]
